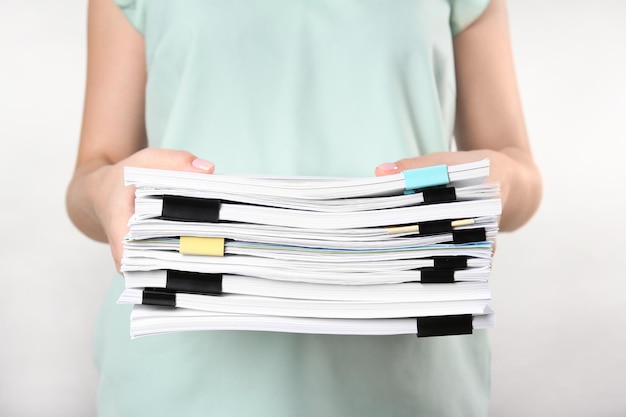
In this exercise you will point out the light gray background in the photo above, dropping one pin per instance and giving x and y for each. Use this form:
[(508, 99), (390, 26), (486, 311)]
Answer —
[(559, 348)]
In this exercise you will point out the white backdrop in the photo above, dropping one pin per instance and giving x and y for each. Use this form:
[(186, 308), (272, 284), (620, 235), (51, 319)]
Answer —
[(559, 348)]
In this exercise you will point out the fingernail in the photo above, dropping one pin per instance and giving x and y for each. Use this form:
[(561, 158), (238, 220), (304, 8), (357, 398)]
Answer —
[(202, 164), (388, 166)]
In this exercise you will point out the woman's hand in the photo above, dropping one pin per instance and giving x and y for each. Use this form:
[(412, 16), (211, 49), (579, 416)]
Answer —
[(113, 133), (489, 120), (100, 204), (514, 170)]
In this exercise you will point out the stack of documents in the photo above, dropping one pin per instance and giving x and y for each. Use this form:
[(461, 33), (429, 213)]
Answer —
[(404, 253)]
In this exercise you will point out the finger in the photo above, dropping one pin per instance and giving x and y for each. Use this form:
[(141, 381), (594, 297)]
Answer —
[(203, 165), (437, 158), (171, 160), (117, 223), (389, 168)]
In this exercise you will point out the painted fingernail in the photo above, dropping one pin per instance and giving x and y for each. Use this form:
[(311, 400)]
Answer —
[(202, 164), (388, 166)]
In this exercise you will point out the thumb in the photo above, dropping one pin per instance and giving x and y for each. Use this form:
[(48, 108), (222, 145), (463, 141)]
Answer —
[(172, 160), (437, 158), (389, 168)]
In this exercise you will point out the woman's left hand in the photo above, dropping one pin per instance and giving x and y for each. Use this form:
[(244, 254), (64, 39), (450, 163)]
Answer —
[(516, 174)]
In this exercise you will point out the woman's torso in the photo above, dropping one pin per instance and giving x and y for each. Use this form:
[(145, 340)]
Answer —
[(311, 87)]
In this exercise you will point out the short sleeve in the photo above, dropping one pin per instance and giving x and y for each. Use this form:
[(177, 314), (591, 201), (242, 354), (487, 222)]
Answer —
[(464, 12), (134, 12)]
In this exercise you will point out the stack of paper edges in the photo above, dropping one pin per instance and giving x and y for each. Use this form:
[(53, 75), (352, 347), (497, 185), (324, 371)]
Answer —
[(405, 253)]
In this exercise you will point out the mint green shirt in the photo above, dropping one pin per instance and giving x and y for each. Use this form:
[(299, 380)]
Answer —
[(311, 87)]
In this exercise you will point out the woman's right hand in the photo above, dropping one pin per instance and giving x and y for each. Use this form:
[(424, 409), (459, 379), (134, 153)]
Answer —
[(111, 202), (113, 133)]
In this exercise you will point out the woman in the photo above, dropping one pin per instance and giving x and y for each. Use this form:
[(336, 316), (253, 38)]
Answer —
[(316, 87)]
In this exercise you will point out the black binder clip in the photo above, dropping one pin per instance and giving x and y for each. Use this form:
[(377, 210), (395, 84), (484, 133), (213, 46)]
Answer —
[(444, 325), (194, 282), (190, 209), (439, 195), (158, 297)]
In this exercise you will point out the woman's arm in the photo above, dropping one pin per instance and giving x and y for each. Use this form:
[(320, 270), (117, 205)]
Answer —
[(489, 112), (113, 125), (489, 120), (113, 132)]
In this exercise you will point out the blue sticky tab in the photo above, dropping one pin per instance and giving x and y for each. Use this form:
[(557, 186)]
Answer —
[(426, 177)]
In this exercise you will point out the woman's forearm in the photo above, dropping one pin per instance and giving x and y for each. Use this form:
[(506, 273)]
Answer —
[(80, 196), (521, 186)]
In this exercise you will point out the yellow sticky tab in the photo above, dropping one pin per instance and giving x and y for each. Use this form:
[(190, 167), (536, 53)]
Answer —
[(403, 229), (210, 246), (463, 222)]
